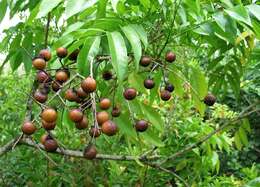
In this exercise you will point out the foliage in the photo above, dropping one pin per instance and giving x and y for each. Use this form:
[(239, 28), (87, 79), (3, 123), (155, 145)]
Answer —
[(217, 47)]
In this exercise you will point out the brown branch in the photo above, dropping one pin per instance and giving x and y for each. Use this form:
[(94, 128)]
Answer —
[(208, 136)]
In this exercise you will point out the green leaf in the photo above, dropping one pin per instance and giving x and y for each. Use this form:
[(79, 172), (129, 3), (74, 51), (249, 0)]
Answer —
[(214, 158), (246, 125), (255, 10), (134, 40), (46, 6), (16, 60), (151, 138), (125, 125), (153, 116), (101, 10), (240, 13), (73, 27), (136, 81), (3, 8), (114, 4), (118, 53), (87, 54), (176, 79), (243, 136), (200, 87), (181, 165), (142, 34), (75, 6), (237, 141)]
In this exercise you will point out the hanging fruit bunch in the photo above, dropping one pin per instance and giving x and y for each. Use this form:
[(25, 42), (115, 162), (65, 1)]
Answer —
[(86, 110)]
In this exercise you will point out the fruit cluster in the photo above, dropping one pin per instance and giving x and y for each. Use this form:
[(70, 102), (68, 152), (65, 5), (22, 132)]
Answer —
[(84, 97)]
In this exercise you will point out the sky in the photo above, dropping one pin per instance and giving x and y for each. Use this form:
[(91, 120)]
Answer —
[(5, 24)]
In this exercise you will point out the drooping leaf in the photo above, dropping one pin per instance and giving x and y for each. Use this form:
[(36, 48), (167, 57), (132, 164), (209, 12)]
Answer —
[(46, 6), (237, 141), (142, 34), (87, 54), (75, 6), (118, 54), (134, 40), (240, 13), (3, 8)]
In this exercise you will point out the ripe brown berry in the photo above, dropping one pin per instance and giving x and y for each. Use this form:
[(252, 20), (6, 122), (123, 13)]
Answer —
[(94, 132), (107, 75), (75, 115), (165, 95), (83, 124), (81, 93), (90, 152), (130, 93), (50, 145), (39, 63), (109, 128), (169, 87), (45, 54), (56, 86), (28, 128), (48, 125), (62, 75), (116, 112), (40, 97), (49, 115), (149, 83), (44, 137), (141, 125), (42, 77), (74, 55), (145, 61), (210, 99), (71, 95), (102, 117), (61, 52), (170, 57), (89, 85), (105, 103)]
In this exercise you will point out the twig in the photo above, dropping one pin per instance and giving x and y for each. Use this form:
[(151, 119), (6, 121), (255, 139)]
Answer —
[(47, 30)]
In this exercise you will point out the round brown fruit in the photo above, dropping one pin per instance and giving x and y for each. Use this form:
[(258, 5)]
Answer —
[(90, 152), (61, 52), (94, 132), (81, 93), (28, 128), (45, 54), (102, 117), (76, 115), (109, 128), (165, 95), (62, 75), (116, 112), (83, 124), (44, 137), (39, 63), (56, 86), (89, 85), (145, 61), (49, 115), (105, 103), (107, 75), (130, 93), (210, 99), (74, 55), (71, 95), (169, 87), (149, 83), (40, 97), (48, 125), (50, 145), (42, 77), (170, 57), (141, 125)]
